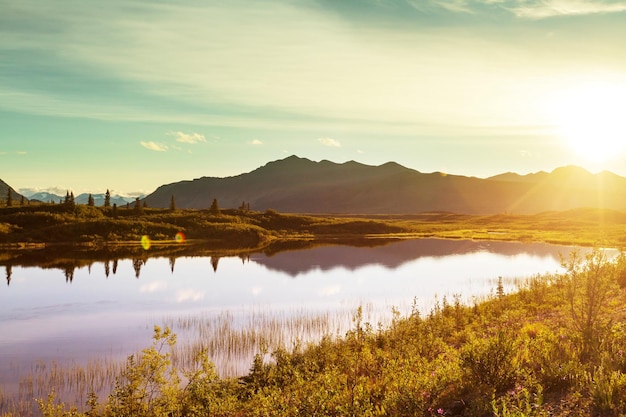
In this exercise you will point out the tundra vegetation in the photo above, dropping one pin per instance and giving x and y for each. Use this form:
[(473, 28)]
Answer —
[(67, 222), (556, 346)]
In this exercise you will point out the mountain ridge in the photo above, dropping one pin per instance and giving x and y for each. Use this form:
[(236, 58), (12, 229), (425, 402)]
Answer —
[(299, 185)]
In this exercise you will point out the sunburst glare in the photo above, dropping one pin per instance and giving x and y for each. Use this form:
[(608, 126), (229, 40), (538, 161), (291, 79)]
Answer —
[(590, 119)]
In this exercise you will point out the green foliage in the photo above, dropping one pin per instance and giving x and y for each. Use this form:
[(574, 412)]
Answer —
[(608, 391), (149, 384), (590, 284), (520, 402), (491, 362)]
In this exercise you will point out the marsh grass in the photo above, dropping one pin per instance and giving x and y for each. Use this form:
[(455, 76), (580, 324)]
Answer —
[(231, 339)]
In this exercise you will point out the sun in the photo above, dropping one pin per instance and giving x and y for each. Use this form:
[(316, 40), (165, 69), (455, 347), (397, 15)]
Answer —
[(591, 119)]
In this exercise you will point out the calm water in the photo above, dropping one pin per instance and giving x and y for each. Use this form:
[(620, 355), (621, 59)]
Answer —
[(109, 308)]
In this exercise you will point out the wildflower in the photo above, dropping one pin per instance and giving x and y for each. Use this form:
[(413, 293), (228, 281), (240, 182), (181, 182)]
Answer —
[(440, 411)]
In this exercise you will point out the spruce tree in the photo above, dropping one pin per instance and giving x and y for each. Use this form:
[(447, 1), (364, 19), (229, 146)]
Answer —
[(172, 203), (90, 201), (9, 198), (107, 199), (138, 208), (215, 209)]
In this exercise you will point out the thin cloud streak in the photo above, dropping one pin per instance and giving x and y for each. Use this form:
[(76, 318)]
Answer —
[(190, 138), (551, 8), (153, 146), (332, 143)]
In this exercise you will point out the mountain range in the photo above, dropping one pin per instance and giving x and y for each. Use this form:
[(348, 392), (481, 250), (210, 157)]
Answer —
[(46, 197), (299, 185)]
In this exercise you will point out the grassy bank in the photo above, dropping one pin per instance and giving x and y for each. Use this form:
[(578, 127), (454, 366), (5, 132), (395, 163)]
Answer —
[(96, 227), (555, 347)]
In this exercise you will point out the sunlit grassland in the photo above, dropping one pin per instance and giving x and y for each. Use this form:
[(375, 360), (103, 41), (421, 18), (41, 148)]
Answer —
[(241, 229)]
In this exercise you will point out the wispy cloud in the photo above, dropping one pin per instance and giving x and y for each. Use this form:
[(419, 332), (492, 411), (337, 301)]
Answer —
[(256, 142), (541, 9), (329, 291), (191, 138), (330, 142), (17, 153), (455, 5), (153, 287), (28, 191), (189, 295), (153, 146)]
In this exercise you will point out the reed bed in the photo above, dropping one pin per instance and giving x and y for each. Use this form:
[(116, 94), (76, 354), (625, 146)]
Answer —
[(233, 338), (70, 381)]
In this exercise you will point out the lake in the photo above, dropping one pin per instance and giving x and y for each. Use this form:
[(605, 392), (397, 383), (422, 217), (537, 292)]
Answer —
[(108, 308)]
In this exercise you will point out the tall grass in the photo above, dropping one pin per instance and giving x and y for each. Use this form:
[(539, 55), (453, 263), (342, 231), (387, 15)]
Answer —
[(231, 338)]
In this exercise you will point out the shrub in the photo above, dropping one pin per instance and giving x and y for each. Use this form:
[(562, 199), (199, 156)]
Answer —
[(491, 363)]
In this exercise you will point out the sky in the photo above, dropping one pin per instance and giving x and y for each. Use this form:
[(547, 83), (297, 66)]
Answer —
[(128, 95)]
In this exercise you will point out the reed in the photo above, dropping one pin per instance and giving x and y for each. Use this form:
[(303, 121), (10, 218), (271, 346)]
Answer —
[(231, 337)]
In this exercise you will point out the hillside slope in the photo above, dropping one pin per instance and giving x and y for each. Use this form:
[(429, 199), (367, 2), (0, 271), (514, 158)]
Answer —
[(4, 193)]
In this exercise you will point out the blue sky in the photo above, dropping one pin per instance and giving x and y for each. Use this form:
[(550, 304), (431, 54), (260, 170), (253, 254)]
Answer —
[(129, 95)]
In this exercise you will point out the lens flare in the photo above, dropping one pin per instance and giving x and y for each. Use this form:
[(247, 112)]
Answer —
[(180, 237), (145, 242)]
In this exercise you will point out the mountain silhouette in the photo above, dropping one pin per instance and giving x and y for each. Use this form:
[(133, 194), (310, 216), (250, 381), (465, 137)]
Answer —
[(4, 193), (299, 185)]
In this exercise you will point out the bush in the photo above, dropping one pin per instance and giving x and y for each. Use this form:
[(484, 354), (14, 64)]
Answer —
[(490, 363)]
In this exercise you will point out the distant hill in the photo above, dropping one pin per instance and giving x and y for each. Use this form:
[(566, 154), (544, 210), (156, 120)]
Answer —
[(299, 185), (4, 193)]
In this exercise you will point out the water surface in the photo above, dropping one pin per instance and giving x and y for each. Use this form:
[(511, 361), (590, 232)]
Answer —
[(73, 313)]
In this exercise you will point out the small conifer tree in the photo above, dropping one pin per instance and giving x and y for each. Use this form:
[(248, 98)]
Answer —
[(172, 203), (138, 207), (215, 208), (9, 198), (90, 201), (107, 199)]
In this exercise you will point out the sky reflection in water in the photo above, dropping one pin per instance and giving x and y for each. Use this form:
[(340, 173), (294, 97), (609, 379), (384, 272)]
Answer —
[(44, 317)]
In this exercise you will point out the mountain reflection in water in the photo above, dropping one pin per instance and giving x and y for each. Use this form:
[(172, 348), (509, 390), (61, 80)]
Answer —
[(75, 304), (293, 258)]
